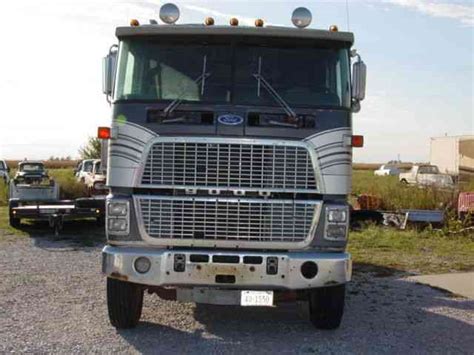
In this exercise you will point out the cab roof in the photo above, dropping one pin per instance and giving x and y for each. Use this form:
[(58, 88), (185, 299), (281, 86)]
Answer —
[(268, 31), (30, 162)]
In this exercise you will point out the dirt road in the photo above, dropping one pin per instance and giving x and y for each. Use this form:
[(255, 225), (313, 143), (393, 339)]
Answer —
[(52, 299)]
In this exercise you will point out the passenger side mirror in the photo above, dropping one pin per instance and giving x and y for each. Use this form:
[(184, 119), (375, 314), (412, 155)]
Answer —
[(108, 71), (359, 78)]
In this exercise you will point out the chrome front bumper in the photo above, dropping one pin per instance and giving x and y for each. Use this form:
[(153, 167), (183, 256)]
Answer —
[(333, 268)]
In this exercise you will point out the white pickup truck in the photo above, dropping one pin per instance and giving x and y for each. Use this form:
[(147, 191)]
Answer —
[(426, 175), (4, 171)]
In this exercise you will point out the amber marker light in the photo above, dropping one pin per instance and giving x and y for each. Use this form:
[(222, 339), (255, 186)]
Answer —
[(333, 28), (134, 22), (103, 133), (209, 21), (357, 141), (234, 21), (259, 22)]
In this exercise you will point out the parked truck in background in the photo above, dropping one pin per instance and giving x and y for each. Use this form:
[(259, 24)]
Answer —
[(426, 175), (229, 164), (4, 172)]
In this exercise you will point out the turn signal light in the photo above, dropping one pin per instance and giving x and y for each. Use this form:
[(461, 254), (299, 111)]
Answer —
[(357, 141), (103, 133)]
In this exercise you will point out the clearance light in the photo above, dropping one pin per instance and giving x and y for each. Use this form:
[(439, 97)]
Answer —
[(134, 22), (333, 28), (209, 21), (103, 133), (234, 21), (259, 22), (357, 141)]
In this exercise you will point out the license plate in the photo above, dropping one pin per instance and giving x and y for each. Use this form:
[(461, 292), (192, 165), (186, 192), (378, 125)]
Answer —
[(256, 298)]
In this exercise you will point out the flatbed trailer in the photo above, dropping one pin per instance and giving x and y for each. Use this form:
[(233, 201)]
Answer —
[(57, 212)]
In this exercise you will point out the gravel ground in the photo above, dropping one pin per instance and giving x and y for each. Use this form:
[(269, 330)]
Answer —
[(52, 299)]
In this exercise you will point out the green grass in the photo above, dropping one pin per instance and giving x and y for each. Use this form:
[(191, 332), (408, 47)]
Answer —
[(412, 251), (3, 193)]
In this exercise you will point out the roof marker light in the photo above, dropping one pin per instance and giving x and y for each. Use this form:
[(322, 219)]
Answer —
[(301, 17), (209, 21), (333, 28), (259, 22), (234, 21), (134, 22), (169, 13)]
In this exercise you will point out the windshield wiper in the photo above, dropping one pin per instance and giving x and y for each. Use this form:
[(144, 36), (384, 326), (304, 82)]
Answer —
[(271, 90), (200, 79)]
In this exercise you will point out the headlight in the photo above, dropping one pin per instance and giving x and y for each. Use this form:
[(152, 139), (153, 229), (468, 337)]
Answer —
[(336, 215), (117, 224), (117, 209), (336, 231)]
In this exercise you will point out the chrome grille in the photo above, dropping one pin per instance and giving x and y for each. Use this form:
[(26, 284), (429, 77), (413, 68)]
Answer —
[(267, 166), (209, 219)]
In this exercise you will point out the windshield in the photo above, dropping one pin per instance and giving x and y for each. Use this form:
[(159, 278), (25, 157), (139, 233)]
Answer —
[(32, 167), (233, 74), (428, 170)]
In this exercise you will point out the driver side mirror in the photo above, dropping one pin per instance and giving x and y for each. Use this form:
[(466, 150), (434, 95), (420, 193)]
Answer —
[(108, 71)]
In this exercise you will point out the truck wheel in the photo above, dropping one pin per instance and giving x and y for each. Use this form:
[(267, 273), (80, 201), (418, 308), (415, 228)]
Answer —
[(14, 221), (326, 306), (124, 301)]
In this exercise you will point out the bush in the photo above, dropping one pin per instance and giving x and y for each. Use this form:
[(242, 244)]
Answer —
[(70, 189)]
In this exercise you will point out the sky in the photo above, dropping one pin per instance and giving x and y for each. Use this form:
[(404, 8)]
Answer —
[(419, 55)]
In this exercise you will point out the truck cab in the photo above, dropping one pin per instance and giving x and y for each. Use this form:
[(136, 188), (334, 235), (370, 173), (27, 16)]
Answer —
[(229, 164)]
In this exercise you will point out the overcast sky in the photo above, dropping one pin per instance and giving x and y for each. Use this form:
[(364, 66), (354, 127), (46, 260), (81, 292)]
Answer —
[(419, 55)]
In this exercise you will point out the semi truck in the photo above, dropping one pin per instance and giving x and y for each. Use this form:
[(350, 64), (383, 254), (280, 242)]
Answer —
[(229, 164)]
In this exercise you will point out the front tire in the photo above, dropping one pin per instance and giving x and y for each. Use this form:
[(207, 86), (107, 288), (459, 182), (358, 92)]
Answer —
[(326, 306), (15, 222), (125, 303)]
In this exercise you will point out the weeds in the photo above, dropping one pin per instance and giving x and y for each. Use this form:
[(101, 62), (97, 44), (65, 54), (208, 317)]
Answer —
[(70, 189), (395, 196)]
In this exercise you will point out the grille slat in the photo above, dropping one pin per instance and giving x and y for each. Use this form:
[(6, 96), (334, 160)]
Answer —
[(229, 165), (233, 219)]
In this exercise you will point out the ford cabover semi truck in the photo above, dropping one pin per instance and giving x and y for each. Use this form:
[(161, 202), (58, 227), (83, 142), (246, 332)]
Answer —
[(229, 164)]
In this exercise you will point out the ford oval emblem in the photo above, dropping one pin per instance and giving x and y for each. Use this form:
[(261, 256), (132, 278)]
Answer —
[(230, 120)]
